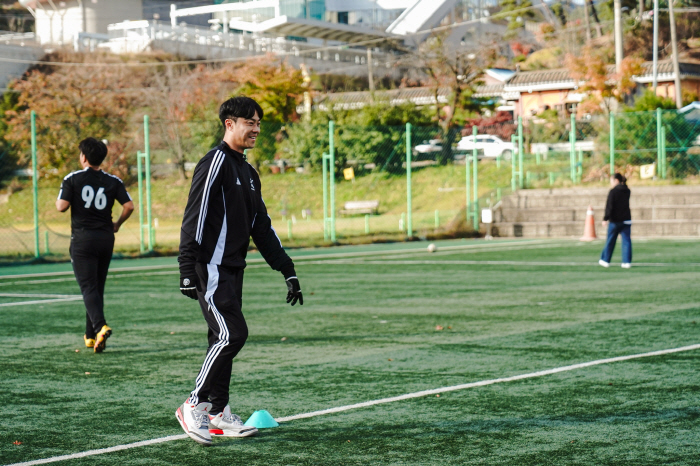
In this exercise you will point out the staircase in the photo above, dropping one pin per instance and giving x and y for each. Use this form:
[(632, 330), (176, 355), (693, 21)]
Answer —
[(669, 211)]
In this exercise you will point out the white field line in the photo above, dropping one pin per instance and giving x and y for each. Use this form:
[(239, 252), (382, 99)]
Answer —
[(42, 301), (463, 262), (484, 245), (407, 396), (36, 295)]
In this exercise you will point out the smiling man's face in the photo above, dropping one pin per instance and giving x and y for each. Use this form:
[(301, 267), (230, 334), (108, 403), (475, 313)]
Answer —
[(242, 132)]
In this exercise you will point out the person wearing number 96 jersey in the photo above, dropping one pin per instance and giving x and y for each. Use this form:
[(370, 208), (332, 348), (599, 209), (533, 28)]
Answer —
[(90, 194)]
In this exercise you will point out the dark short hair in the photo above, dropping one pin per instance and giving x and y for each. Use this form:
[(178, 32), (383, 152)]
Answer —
[(239, 107), (94, 151), (621, 178)]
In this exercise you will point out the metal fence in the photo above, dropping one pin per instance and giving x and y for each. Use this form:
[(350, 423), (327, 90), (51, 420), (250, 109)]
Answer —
[(330, 182)]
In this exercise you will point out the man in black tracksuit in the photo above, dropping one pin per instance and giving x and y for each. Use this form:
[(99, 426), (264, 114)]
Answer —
[(90, 193), (224, 210)]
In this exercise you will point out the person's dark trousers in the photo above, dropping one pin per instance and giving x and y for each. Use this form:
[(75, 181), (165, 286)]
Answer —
[(91, 253), (220, 300), (623, 229)]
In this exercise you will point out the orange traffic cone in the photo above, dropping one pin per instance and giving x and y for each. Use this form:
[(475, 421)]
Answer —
[(589, 229)]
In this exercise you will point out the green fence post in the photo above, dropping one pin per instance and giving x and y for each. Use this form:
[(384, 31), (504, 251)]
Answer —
[(409, 226), (513, 167), (289, 229), (149, 215), (46, 242), (498, 194), (324, 161), (572, 148), (659, 148), (402, 222), (528, 179), (663, 153), (437, 219), (139, 168), (331, 170), (35, 186), (475, 174), (579, 166), (468, 183), (366, 224), (537, 158), (520, 151), (498, 161), (612, 144), (551, 178)]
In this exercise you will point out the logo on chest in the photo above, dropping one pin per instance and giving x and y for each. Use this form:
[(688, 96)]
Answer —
[(252, 185)]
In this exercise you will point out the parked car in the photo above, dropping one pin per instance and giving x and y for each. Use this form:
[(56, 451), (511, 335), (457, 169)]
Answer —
[(487, 146), (428, 147)]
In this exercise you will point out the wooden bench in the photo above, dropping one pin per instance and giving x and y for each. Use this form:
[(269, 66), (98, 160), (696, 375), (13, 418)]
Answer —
[(359, 207)]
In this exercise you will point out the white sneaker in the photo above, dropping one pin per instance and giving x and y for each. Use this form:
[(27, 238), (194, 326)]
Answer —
[(604, 264), (226, 424), (194, 420), (626, 265)]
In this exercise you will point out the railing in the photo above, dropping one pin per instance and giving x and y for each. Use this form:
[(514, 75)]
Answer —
[(251, 43)]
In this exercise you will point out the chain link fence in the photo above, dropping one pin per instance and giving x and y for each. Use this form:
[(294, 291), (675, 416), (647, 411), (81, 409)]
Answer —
[(332, 182)]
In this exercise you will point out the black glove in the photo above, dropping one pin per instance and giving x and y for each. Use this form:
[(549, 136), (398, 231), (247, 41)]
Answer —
[(189, 283), (294, 291)]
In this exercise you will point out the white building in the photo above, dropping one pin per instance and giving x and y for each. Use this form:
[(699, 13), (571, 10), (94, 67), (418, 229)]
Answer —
[(60, 22)]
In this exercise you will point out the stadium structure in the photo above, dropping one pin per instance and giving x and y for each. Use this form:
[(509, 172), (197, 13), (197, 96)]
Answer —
[(325, 35)]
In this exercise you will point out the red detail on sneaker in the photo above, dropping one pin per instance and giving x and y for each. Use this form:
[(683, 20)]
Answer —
[(181, 419), (216, 432)]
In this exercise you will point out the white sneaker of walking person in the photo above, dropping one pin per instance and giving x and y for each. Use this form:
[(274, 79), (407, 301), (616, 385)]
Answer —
[(626, 265), (194, 420), (226, 424), (603, 263)]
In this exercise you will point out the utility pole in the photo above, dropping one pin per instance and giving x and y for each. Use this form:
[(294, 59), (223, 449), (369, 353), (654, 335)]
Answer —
[(674, 49), (587, 23), (617, 4), (370, 74), (655, 47)]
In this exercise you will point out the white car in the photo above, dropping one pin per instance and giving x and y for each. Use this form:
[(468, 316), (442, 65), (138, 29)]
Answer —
[(434, 145), (487, 146)]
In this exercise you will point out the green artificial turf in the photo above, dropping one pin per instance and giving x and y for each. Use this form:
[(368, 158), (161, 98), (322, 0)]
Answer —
[(370, 329)]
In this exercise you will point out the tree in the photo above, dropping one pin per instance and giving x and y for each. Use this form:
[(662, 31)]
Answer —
[(276, 86), (176, 98), (456, 69), (516, 21), (71, 103), (599, 80)]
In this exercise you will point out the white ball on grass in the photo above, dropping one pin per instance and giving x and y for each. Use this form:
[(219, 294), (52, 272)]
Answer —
[(432, 247)]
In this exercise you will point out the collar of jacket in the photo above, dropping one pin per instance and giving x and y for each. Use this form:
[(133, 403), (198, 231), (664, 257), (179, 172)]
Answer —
[(237, 156)]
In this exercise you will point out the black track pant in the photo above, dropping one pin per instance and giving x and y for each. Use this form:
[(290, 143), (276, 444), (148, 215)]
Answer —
[(220, 299), (90, 254)]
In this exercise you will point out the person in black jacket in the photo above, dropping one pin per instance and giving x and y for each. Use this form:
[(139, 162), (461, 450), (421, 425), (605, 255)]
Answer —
[(224, 210), (619, 222)]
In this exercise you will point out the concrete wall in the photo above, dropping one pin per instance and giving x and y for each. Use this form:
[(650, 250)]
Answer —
[(10, 71)]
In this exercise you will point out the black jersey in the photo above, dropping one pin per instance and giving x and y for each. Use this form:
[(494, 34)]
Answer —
[(91, 194)]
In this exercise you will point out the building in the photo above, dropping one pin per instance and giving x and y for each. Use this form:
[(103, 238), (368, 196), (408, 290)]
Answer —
[(532, 92), (61, 22)]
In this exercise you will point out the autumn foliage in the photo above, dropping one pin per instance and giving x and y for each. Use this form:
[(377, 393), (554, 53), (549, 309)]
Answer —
[(600, 80), (108, 100)]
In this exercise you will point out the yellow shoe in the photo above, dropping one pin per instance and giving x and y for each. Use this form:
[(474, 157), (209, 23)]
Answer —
[(101, 339), (89, 342)]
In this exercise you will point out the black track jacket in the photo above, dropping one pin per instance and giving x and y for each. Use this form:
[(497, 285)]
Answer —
[(224, 210), (617, 209)]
